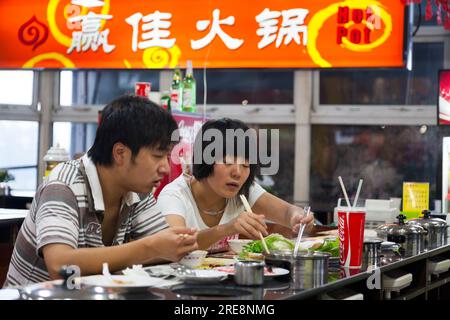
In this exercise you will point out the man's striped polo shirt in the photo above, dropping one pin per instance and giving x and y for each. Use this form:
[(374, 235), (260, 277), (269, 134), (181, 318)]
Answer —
[(68, 209)]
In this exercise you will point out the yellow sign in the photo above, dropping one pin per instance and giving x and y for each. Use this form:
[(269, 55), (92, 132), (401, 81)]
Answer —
[(415, 198)]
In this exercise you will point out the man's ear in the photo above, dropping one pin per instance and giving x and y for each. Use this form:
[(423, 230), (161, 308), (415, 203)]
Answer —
[(120, 153)]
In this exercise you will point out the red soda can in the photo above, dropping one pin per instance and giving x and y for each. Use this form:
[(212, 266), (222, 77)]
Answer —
[(142, 89), (351, 236)]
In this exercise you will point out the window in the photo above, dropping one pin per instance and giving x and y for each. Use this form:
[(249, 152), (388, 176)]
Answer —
[(387, 87), (238, 86), (19, 153), (76, 138), (282, 183), (16, 87), (94, 87), (384, 157)]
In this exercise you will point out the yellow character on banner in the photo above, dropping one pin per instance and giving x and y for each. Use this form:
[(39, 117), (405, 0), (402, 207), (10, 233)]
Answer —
[(69, 11), (415, 198), (320, 18)]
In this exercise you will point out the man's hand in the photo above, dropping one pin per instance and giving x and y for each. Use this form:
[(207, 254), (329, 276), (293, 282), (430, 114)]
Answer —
[(173, 243)]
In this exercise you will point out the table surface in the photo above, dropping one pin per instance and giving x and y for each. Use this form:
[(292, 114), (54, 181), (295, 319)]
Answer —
[(13, 214)]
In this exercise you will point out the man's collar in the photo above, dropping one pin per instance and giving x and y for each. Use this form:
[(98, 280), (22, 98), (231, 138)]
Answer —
[(96, 189)]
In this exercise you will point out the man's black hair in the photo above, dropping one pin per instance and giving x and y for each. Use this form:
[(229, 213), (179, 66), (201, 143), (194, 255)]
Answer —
[(134, 121), (203, 170)]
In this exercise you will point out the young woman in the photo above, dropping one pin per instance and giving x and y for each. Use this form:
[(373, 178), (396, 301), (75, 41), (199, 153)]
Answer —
[(209, 199)]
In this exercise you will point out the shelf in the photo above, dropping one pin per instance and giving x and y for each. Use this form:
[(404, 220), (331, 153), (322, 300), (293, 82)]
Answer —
[(410, 294), (440, 282)]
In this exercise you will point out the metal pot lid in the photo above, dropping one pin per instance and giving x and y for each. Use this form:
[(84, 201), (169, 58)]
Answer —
[(55, 290), (289, 255), (401, 228), (427, 222), (372, 241), (388, 245)]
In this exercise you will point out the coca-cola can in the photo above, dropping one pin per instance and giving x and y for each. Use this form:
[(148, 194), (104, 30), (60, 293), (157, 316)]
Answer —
[(142, 89), (351, 236)]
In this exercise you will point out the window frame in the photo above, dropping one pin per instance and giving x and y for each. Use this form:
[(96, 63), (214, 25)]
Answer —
[(23, 112)]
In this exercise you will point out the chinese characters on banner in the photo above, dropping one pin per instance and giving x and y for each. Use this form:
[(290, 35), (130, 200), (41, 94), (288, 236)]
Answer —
[(159, 34)]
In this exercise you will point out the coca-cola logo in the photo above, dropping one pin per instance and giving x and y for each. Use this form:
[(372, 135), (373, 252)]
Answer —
[(341, 232)]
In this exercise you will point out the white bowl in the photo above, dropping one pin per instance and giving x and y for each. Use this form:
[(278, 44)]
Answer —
[(194, 259), (238, 244)]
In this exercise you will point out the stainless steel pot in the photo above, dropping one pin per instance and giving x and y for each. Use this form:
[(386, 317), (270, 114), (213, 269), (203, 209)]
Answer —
[(411, 238), (371, 253), (390, 253), (307, 269), (436, 230), (249, 273)]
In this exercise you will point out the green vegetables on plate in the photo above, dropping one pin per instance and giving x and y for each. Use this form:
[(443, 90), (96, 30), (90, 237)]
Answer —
[(276, 241)]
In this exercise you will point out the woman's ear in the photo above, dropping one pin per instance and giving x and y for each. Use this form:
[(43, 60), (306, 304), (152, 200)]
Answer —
[(120, 154)]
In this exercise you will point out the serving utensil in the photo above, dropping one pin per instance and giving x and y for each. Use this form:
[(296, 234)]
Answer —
[(300, 231), (249, 209)]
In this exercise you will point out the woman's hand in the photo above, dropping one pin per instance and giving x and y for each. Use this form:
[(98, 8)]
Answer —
[(298, 218), (250, 225)]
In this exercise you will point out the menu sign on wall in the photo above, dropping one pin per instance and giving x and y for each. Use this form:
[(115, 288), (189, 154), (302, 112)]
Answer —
[(211, 33)]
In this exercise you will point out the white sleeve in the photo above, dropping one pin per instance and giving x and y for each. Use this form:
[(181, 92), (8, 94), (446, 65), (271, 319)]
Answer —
[(255, 192), (171, 203)]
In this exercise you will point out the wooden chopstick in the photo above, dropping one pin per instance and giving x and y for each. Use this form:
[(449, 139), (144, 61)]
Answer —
[(249, 209)]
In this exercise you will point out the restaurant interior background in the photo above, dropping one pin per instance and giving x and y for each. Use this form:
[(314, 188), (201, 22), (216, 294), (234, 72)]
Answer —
[(375, 124)]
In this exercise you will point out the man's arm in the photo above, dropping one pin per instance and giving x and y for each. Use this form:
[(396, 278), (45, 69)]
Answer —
[(167, 244)]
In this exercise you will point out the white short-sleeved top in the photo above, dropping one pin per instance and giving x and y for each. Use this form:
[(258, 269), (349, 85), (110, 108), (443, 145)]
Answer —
[(176, 198)]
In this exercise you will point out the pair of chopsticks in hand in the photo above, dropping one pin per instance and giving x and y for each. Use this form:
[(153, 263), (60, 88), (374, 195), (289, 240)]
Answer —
[(249, 209)]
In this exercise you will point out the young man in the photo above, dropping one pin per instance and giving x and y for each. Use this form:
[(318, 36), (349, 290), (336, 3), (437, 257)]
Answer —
[(90, 209)]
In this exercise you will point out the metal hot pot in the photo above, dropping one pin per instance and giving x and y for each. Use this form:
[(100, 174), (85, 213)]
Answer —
[(411, 238), (436, 228), (307, 269)]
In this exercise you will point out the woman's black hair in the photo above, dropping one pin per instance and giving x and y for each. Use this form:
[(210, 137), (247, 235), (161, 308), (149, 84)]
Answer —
[(136, 122), (203, 169)]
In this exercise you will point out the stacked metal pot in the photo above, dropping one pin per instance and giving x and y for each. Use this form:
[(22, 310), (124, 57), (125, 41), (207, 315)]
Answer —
[(415, 236), (411, 238), (436, 230)]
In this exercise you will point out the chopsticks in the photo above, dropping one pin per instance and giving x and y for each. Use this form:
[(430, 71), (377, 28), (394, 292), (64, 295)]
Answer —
[(249, 209), (300, 231)]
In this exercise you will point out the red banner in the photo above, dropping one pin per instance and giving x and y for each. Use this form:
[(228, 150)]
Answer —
[(211, 33)]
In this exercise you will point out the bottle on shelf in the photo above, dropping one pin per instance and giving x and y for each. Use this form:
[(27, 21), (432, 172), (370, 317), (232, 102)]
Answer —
[(176, 91), (189, 89), (165, 100)]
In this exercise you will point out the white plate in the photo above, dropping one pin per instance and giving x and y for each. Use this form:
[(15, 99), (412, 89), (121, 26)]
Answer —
[(119, 281), (275, 271), (205, 276)]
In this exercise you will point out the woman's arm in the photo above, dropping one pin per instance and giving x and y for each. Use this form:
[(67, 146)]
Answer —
[(282, 212), (247, 224)]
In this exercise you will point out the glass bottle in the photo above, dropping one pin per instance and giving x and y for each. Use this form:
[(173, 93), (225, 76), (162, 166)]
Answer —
[(176, 91), (189, 89)]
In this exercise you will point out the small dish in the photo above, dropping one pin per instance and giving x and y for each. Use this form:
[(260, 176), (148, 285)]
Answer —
[(204, 276), (194, 259)]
